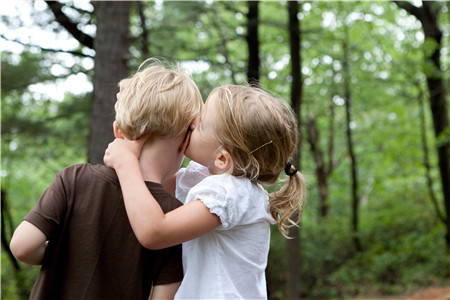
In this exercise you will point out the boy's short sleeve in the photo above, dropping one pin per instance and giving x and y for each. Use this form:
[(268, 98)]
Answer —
[(49, 212), (172, 270)]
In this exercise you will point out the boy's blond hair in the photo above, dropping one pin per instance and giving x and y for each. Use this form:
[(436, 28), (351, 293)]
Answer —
[(159, 100), (260, 133)]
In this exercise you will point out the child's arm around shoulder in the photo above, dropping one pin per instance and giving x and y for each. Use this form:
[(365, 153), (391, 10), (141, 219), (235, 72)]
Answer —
[(153, 228), (28, 243), (165, 291)]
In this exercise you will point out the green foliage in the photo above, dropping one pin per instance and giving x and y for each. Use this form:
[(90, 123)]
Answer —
[(17, 284), (20, 76), (33, 132), (403, 250)]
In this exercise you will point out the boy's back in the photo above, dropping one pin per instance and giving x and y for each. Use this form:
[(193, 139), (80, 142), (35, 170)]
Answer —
[(92, 251)]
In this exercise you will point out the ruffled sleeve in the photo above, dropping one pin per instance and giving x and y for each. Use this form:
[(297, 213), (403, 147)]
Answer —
[(226, 197)]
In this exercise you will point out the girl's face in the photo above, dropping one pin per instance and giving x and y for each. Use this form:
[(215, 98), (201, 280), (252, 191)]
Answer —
[(203, 145)]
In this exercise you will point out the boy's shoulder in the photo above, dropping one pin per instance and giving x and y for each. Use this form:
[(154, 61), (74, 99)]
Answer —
[(88, 171), (86, 174)]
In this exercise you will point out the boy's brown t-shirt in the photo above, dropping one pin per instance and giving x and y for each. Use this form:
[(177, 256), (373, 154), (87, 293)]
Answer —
[(92, 251)]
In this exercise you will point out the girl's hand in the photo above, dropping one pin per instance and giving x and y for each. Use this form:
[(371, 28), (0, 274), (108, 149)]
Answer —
[(120, 151)]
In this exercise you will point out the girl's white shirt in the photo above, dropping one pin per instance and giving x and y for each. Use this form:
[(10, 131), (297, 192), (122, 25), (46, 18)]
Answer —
[(230, 261)]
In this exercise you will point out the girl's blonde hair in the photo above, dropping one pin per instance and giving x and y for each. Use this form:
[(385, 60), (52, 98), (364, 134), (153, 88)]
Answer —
[(260, 133), (159, 100)]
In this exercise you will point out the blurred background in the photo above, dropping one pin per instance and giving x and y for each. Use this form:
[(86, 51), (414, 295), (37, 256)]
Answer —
[(368, 80)]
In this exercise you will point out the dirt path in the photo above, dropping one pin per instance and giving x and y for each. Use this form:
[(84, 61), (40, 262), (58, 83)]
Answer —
[(433, 293), (427, 293)]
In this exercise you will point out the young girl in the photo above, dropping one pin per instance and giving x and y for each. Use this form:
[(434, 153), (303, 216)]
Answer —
[(243, 139)]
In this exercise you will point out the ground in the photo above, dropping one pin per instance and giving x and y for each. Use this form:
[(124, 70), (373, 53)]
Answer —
[(433, 293), (428, 293)]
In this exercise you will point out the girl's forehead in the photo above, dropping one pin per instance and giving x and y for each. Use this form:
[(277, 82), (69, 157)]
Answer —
[(210, 101), (210, 96), (210, 109)]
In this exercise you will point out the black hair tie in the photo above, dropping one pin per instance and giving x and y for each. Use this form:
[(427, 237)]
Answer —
[(288, 171)]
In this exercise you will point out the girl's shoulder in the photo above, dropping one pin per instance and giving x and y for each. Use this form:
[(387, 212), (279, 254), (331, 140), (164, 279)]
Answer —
[(238, 184), (193, 169), (189, 177)]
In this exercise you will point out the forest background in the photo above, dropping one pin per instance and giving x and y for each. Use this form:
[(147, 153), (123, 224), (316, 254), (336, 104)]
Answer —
[(368, 80)]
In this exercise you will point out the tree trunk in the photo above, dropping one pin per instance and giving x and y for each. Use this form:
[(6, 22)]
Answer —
[(253, 43), (223, 48), (111, 55), (145, 34), (426, 159), (428, 16), (321, 169), (354, 169), (293, 245)]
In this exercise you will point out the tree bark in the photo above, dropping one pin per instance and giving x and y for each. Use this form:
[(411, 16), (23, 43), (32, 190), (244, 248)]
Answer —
[(145, 34), (427, 14), (111, 48), (253, 43), (354, 168), (223, 48), (426, 159), (321, 170), (293, 245)]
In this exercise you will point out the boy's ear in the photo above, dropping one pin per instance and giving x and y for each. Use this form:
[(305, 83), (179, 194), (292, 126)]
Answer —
[(117, 132), (223, 160)]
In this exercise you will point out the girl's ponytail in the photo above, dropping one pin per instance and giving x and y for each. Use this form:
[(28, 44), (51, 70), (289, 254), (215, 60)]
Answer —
[(286, 204)]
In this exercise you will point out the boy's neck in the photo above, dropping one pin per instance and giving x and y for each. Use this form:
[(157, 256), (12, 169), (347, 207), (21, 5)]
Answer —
[(150, 170), (158, 158), (152, 164)]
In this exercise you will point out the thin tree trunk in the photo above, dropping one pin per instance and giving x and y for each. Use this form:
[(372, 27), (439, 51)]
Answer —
[(145, 34), (321, 169), (426, 159), (223, 45), (253, 43), (6, 217), (354, 169), (293, 245), (111, 56), (6, 223)]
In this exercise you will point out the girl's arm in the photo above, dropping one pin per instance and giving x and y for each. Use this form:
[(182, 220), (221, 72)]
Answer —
[(164, 291), (153, 228), (28, 243)]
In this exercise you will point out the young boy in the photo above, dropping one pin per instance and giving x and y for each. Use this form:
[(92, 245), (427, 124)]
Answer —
[(79, 230)]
